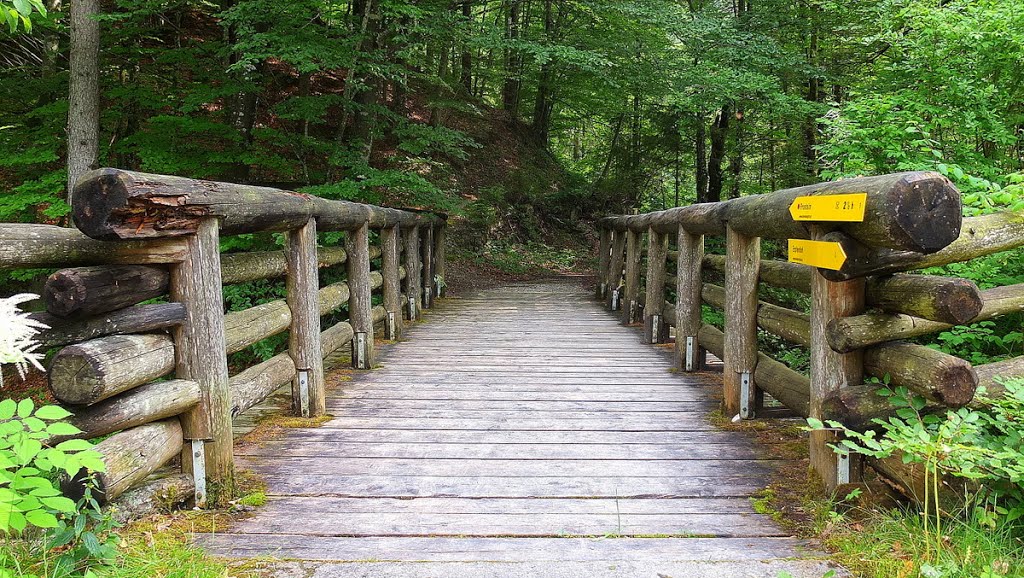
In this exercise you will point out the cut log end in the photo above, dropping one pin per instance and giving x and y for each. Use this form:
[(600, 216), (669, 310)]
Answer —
[(960, 303), (96, 194), (957, 384), (63, 295), (935, 227)]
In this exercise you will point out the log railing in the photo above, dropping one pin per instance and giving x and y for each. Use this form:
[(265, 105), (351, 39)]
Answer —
[(154, 236), (858, 314)]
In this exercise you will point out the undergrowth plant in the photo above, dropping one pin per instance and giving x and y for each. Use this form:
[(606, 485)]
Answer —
[(981, 447), (42, 530)]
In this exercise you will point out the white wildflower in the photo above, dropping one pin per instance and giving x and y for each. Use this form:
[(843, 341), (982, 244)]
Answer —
[(17, 331)]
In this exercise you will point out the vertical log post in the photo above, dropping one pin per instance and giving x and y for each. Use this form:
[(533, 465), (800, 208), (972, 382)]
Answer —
[(427, 264), (440, 260), (831, 371), (303, 285), (615, 270), (654, 304), (392, 289), (604, 249), (357, 245), (412, 273), (199, 350), (688, 301), (631, 293), (743, 256)]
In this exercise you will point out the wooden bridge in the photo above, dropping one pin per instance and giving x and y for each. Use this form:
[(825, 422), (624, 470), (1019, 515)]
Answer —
[(524, 425)]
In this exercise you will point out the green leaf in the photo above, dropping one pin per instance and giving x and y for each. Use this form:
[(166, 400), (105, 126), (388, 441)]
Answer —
[(60, 503), (74, 445), (62, 429), (91, 543), (7, 409), (815, 423), (25, 408), (52, 412), (41, 519)]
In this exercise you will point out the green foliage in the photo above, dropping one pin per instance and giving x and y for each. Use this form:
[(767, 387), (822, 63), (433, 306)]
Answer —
[(70, 538), (28, 497), (19, 13), (981, 446)]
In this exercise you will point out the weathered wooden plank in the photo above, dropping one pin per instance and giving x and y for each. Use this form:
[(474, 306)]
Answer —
[(332, 430), (548, 550), (510, 468), (535, 400), (338, 449), (314, 504), (510, 487), (523, 525)]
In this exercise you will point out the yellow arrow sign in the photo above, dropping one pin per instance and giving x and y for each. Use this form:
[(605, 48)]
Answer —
[(840, 208), (823, 254)]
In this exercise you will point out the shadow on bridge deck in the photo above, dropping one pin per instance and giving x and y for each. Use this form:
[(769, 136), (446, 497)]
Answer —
[(524, 428)]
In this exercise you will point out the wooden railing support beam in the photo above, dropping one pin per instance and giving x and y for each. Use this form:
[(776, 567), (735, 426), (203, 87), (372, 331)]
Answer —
[(614, 294), (440, 261), (631, 287), (689, 353), (412, 273), (199, 357), (392, 289), (357, 244), (604, 249), (831, 371), (427, 246), (743, 254), (654, 300), (303, 286)]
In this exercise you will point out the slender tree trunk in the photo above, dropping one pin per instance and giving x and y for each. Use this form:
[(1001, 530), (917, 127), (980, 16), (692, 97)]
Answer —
[(467, 57), (361, 10), (543, 104), (510, 91), (700, 156), (736, 162), (719, 130), (813, 96), (84, 91)]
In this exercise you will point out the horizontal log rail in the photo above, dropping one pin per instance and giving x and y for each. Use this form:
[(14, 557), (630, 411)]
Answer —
[(860, 316), (155, 375)]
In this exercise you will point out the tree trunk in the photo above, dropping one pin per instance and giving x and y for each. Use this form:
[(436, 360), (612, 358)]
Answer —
[(700, 155), (84, 91), (736, 163), (719, 130), (466, 77), (510, 90), (543, 104)]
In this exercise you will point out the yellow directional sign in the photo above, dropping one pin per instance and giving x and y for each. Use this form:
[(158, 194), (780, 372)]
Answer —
[(837, 208), (823, 254)]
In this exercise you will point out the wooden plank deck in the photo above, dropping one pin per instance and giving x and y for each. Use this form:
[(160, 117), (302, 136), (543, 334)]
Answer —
[(519, 424)]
